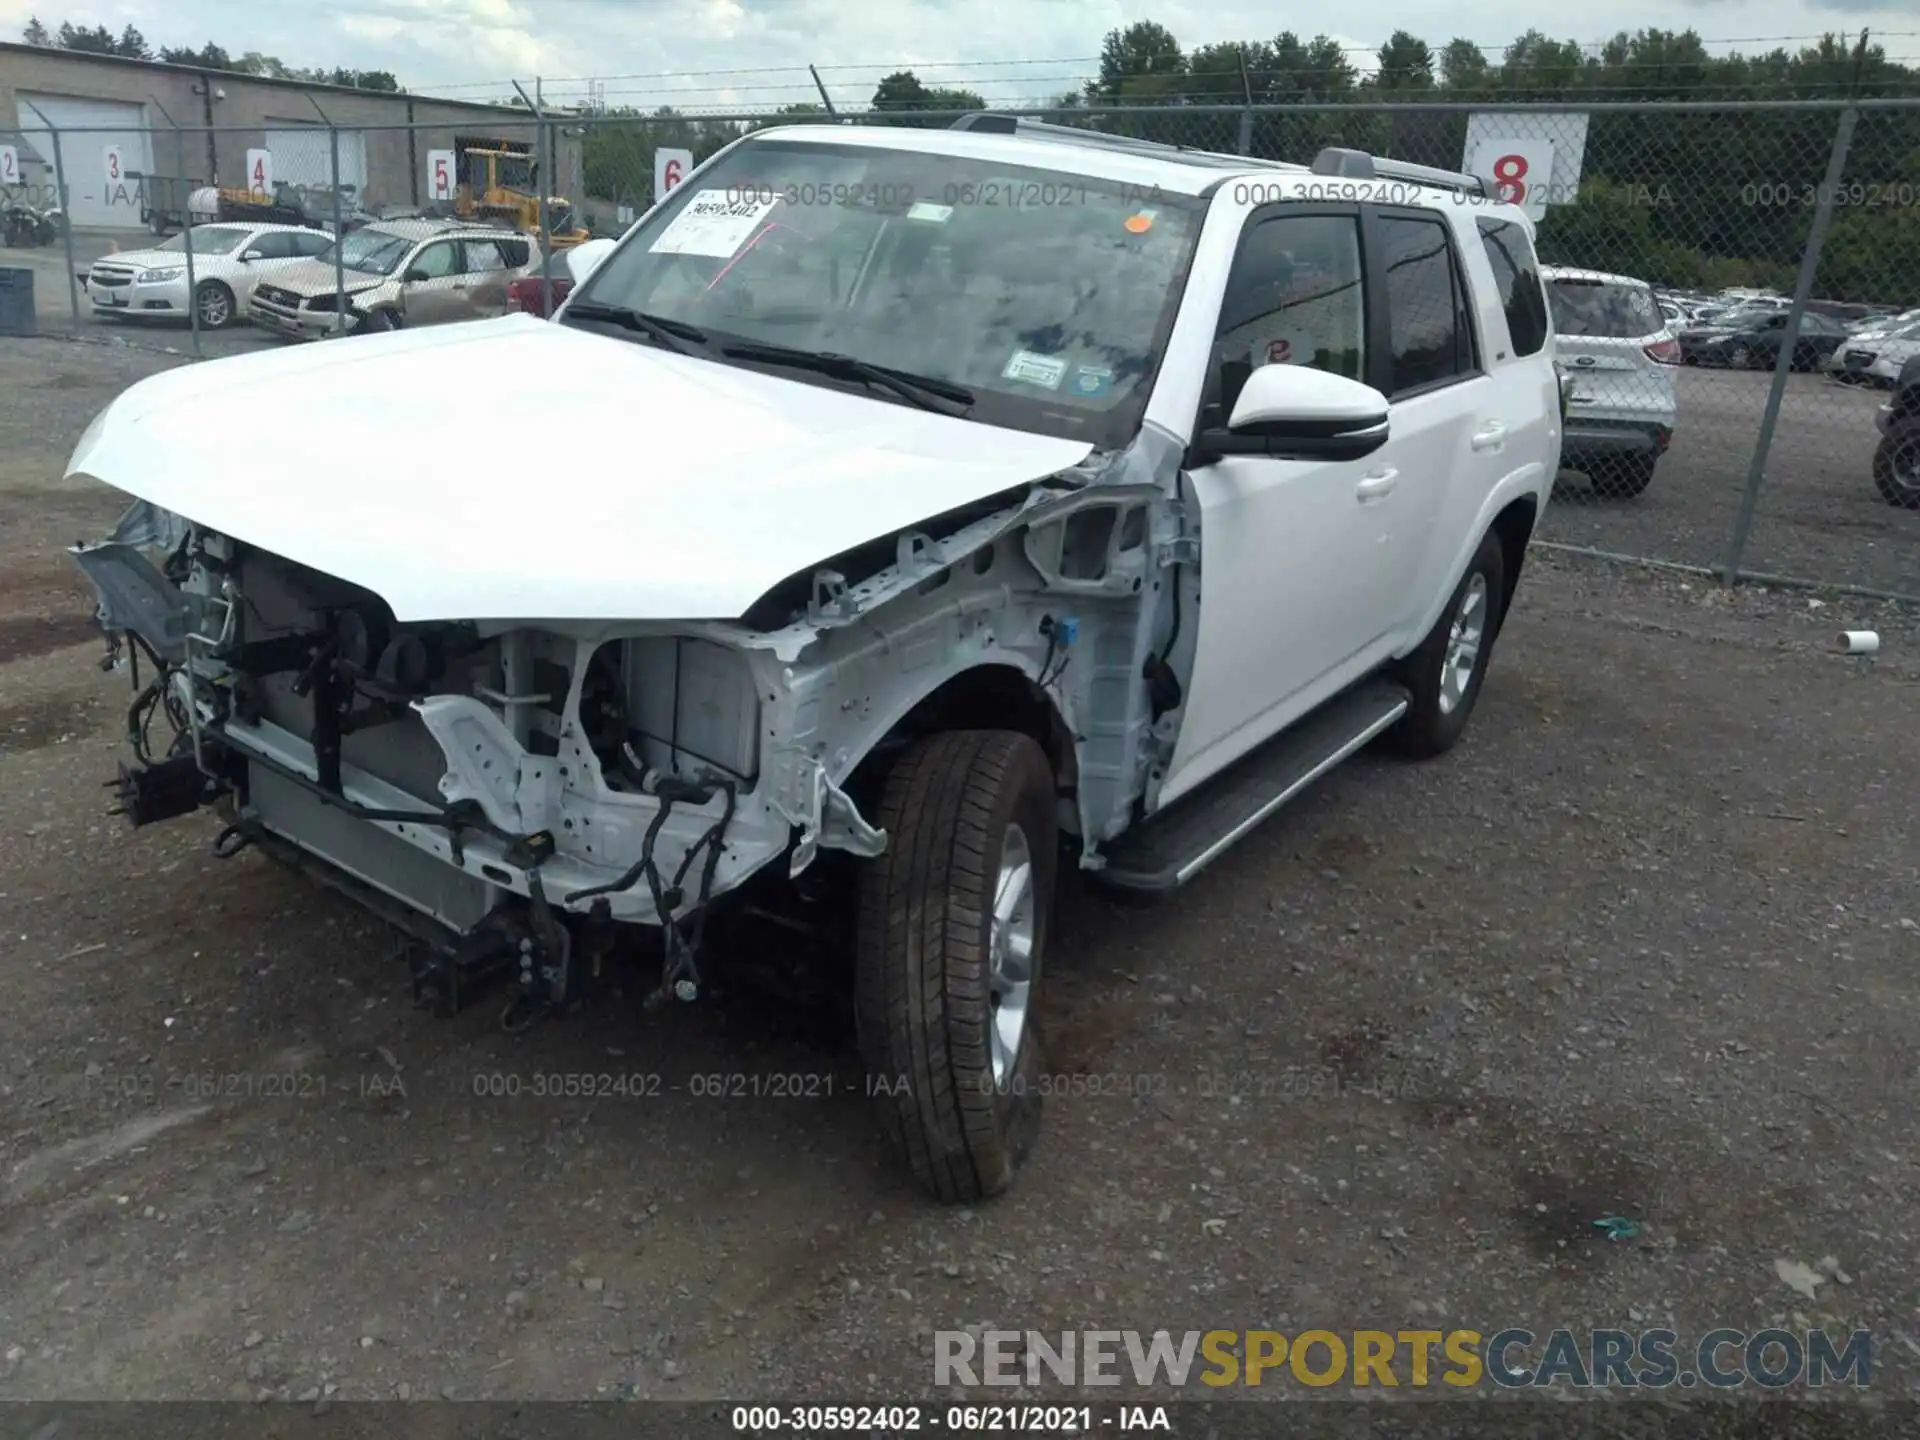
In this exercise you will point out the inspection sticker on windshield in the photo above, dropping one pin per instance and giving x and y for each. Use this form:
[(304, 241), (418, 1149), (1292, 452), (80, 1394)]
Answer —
[(927, 210), (1092, 380), (1035, 369), (714, 223)]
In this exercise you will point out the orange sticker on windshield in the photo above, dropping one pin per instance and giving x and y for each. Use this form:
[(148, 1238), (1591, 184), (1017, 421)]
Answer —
[(1141, 223)]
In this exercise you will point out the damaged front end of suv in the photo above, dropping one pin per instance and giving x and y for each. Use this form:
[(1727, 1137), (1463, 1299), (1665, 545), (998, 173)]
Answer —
[(520, 797)]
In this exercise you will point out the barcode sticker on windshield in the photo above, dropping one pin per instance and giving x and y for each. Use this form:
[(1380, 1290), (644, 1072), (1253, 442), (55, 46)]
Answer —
[(1035, 369), (713, 223)]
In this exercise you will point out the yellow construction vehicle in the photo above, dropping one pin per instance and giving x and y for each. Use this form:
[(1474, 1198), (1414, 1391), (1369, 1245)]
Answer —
[(489, 193)]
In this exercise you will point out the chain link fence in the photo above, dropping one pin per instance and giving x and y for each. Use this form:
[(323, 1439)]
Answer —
[(1735, 286)]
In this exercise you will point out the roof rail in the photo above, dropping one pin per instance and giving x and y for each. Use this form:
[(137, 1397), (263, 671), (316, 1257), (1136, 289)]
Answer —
[(988, 122), (1359, 165)]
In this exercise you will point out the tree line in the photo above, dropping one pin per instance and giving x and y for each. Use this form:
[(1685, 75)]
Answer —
[(130, 44), (1705, 198)]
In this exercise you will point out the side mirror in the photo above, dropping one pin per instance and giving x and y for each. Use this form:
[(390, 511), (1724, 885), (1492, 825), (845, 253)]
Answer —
[(414, 274), (1290, 412)]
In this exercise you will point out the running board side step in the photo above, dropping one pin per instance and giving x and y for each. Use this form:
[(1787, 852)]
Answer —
[(1171, 846)]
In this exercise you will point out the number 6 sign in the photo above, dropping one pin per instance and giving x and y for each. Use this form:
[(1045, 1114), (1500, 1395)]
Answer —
[(440, 181)]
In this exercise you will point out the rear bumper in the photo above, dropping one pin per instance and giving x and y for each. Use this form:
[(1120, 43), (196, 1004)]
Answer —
[(1587, 435)]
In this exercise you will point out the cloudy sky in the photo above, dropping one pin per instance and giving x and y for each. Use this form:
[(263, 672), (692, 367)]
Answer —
[(746, 52)]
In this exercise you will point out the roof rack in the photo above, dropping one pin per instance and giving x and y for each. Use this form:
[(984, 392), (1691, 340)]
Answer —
[(1359, 165), (990, 122)]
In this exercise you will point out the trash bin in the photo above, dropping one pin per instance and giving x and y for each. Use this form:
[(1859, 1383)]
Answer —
[(16, 303)]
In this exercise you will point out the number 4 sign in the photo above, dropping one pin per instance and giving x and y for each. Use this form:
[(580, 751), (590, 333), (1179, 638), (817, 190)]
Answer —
[(440, 181), (260, 171)]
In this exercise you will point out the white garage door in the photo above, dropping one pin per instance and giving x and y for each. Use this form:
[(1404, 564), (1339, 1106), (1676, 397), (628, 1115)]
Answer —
[(301, 156), (94, 199)]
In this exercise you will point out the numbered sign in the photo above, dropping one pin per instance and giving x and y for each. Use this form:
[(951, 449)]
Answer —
[(9, 165), (260, 171), (110, 161), (670, 167), (1519, 171), (441, 176)]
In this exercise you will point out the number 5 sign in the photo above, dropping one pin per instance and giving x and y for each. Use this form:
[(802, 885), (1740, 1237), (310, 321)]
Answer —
[(440, 181)]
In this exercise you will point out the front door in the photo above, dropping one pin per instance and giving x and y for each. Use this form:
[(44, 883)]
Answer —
[(1291, 551), (434, 290)]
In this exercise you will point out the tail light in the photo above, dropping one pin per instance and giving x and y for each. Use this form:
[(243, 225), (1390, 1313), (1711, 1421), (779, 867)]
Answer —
[(1664, 352)]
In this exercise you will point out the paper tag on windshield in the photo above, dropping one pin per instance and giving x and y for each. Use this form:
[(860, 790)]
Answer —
[(1035, 369), (713, 224), (926, 210)]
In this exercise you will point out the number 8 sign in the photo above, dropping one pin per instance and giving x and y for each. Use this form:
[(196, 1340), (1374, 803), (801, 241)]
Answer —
[(1520, 172)]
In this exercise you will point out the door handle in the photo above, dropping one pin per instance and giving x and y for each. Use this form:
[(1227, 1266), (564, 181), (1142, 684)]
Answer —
[(1377, 485), (1491, 436)]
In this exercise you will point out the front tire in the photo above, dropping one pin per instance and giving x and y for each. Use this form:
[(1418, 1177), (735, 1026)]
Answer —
[(1896, 466), (951, 938), (214, 301), (1445, 673)]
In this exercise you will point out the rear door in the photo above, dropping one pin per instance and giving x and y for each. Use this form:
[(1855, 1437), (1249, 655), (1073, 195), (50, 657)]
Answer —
[(1605, 331)]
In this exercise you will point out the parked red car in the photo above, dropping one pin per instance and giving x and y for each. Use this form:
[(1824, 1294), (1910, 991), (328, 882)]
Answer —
[(540, 294)]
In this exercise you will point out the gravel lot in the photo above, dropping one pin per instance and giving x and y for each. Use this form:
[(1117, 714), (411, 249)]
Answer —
[(1642, 946), (1819, 517)]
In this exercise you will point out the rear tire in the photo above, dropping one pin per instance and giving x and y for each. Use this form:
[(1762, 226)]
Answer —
[(1445, 673), (1623, 477), (1896, 466), (948, 957)]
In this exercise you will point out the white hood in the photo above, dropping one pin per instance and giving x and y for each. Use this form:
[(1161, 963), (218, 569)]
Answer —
[(157, 259), (517, 469)]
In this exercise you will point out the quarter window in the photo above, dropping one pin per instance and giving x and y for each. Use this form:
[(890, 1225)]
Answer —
[(1516, 276), (1428, 322)]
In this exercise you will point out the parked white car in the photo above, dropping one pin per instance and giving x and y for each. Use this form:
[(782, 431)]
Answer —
[(1621, 412), (1876, 359), (228, 261), (1048, 501)]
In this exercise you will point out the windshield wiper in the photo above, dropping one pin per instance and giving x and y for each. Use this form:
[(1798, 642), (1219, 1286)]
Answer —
[(942, 397), (674, 334)]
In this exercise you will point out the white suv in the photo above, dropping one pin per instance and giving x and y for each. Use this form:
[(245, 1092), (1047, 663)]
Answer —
[(940, 509), (1612, 339)]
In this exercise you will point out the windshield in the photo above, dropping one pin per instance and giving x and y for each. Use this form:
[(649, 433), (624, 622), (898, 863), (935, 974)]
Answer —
[(1603, 309), (207, 240), (1046, 294), (371, 252)]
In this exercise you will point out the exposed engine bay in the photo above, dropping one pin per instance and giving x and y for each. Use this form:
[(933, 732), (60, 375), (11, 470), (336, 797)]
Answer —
[(516, 794)]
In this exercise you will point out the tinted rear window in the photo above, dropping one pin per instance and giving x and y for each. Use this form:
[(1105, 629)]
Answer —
[(1602, 309)]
